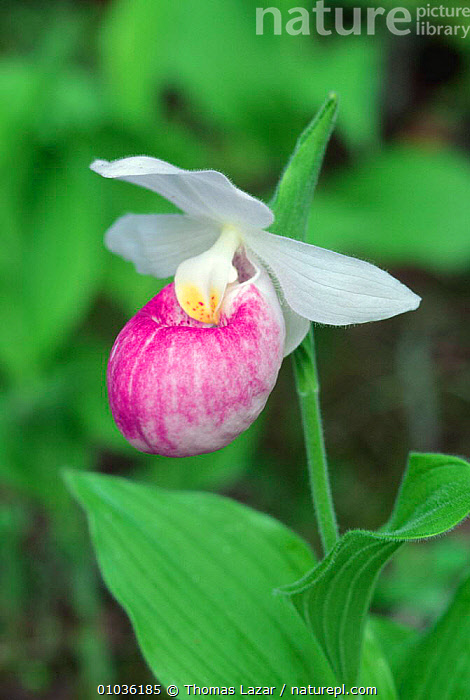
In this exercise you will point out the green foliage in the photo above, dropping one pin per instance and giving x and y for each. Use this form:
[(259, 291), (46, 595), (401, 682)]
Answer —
[(132, 58), (374, 669), (372, 209), (169, 579), (196, 574), (291, 201), (222, 87), (421, 576), (438, 665), (63, 262), (395, 640), (334, 597)]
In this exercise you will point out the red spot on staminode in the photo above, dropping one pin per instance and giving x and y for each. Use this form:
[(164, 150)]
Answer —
[(201, 303)]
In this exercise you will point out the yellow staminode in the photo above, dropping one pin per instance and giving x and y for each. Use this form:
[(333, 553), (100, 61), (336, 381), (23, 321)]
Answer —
[(200, 282), (196, 306)]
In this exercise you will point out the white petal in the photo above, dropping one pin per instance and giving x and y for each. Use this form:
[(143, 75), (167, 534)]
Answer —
[(205, 193), (296, 327), (328, 287), (158, 243)]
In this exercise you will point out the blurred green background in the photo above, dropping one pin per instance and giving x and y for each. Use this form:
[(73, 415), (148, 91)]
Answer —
[(191, 83)]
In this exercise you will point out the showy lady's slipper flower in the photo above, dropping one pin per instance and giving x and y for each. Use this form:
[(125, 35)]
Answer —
[(194, 367)]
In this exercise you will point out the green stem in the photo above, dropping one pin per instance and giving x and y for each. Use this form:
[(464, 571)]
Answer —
[(308, 388)]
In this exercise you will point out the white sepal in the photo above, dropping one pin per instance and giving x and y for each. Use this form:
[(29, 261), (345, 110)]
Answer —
[(205, 193)]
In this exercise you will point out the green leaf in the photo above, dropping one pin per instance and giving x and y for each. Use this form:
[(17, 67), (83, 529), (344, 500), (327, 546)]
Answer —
[(291, 203), (87, 395), (394, 207), (64, 261), (439, 664), (196, 573), (421, 576), (374, 668), (355, 70), (31, 459), (434, 496), (72, 103), (291, 77), (334, 597), (134, 46), (395, 640), (129, 289), (20, 88)]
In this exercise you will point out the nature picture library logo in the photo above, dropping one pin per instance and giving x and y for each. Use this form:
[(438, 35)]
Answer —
[(426, 20)]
